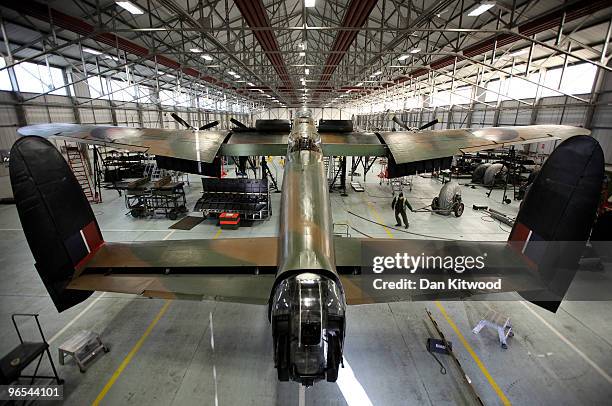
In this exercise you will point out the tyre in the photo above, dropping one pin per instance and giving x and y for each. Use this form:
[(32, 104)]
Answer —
[(183, 209), (282, 360), (172, 215), (434, 204), (459, 209), (334, 352), (137, 213)]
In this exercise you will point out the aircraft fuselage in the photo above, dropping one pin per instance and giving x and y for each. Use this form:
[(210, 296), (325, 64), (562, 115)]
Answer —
[(308, 306)]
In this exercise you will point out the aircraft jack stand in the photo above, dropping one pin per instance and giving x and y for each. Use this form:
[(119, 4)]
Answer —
[(499, 322)]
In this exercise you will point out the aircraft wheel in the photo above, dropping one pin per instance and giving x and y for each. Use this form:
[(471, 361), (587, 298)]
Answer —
[(282, 361), (137, 213), (459, 209), (334, 353)]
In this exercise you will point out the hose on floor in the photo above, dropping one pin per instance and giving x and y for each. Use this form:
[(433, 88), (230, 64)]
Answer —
[(397, 229)]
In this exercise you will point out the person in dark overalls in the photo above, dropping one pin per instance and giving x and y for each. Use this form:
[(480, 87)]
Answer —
[(400, 204)]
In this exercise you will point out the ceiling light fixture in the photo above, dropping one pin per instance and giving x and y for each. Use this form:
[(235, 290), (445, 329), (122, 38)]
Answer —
[(481, 8), (307, 71), (415, 51), (302, 53), (231, 72), (373, 75), (196, 50), (309, 3), (207, 57), (130, 7), (250, 84), (359, 84), (403, 57), (92, 51)]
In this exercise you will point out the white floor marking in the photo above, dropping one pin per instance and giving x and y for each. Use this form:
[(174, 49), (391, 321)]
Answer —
[(301, 395), (212, 346), (78, 316), (589, 361), (169, 235), (351, 389)]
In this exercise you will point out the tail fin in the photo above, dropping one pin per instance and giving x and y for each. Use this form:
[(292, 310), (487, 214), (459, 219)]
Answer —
[(555, 219), (56, 217)]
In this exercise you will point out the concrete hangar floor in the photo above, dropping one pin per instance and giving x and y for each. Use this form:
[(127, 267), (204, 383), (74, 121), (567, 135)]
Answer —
[(186, 352)]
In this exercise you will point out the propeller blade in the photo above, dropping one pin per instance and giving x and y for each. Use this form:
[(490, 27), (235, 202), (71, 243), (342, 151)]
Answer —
[(430, 124), (238, 123), (209, 125), (180, 120), (399, 122)]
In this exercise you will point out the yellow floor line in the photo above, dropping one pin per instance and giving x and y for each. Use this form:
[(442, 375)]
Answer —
[(475, 357), (136, 347), (467, 346), (130, 355), (378, 218)]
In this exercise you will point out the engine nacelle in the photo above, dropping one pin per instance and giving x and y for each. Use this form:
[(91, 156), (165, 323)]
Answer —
[(308, 319)]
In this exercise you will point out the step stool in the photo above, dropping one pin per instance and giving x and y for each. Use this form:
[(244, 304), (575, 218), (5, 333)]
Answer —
[(229, 221), (357, 187), (499, 322), (83, 347)]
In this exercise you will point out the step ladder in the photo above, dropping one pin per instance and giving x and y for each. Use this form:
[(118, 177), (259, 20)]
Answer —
[(81, 171), (498, 322), (153, 172), (332, 166)]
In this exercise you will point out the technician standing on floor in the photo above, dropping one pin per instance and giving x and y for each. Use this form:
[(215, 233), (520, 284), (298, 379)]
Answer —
[(400, 203)]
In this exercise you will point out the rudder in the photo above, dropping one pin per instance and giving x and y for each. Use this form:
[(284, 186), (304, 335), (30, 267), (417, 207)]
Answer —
[(556, 217), (56, 217)]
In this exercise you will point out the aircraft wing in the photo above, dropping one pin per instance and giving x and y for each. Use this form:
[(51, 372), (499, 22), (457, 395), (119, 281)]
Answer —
[(417, 146), (185, 144)]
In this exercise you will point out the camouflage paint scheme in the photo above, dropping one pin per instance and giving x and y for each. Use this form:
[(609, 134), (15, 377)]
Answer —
[(404, 146), (305, 238)]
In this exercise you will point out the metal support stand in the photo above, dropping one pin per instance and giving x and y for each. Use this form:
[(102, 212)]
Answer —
[(498, 322), (265, 173), (343, 176)]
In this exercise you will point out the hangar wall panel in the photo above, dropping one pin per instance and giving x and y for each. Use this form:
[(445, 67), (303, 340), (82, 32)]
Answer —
[(601, 124), (103, 116), (8, 135), (61, 114), (87, 115), (36, 114)]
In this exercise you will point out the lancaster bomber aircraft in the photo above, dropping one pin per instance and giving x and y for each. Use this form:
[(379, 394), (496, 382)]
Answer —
[(298, 274)]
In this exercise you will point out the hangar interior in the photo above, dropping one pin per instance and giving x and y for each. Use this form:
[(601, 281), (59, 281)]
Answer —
[(382, 66)]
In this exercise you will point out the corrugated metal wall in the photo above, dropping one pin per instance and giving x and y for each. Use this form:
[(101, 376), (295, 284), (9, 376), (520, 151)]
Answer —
[(602, 116), (62, 109)]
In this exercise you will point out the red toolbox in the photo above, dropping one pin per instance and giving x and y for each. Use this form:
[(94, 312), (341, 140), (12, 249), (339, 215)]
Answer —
[(229, 221)]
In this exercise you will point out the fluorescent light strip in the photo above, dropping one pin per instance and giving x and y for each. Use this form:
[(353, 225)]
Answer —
[(130, 7), (309, 3), (92, 51), (207, 57), (481, 9)]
